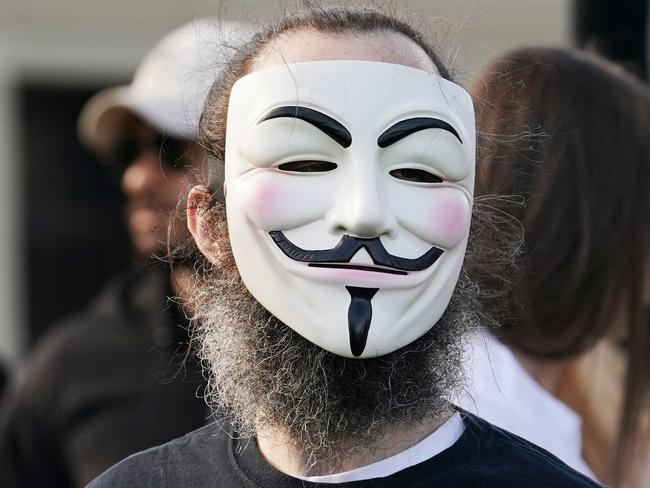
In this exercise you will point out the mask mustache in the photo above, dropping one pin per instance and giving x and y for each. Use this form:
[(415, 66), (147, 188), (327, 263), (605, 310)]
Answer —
[(348, 246)]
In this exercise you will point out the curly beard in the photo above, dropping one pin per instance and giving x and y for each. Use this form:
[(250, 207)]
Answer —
[(262, 373)]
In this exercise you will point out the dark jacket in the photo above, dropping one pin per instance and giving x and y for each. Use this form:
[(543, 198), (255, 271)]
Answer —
[(100, 386)]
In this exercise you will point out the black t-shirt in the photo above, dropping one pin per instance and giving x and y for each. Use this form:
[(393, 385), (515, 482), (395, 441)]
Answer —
[(101, 386), (484, 456)]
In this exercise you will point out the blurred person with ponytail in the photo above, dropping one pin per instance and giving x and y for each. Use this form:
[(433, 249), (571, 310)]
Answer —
[(569, 134)]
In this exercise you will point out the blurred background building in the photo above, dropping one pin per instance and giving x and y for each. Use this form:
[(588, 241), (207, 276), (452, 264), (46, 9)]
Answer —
[(60, 218)]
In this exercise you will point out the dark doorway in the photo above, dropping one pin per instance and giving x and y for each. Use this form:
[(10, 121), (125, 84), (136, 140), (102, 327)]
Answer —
[(75, 235), (616, 30)]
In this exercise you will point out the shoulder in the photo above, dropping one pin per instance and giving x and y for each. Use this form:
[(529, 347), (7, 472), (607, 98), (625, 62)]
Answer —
[(502, 392), (98, 335), (106, 323), (197, 459), (517, 461)]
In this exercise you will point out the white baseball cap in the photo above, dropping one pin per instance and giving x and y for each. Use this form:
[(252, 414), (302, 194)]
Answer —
[(170, 85)]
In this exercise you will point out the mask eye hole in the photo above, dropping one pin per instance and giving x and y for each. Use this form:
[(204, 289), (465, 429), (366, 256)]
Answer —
[(415, 175), (307, 166)]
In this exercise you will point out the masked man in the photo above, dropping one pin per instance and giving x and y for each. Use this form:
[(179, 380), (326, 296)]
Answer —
[(328, 297), (109, 381)]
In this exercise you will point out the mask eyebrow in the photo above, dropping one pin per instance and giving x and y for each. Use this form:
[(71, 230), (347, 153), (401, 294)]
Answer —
[(404, 128), (324, 123)]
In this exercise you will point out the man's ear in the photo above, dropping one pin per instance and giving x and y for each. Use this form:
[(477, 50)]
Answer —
[(199, 202)]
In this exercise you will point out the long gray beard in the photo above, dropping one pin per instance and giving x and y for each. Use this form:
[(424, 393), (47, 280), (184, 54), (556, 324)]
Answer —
[(262, 373)]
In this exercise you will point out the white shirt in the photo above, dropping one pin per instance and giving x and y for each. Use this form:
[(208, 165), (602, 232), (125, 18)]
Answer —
[(500, 391), (442, 438)]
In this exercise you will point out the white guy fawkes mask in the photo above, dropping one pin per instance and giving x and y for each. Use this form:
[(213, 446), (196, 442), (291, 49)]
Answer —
[(349, 194)]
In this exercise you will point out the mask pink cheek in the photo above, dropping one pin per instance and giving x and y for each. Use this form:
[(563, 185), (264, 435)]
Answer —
[(265, 202), (450, 218)]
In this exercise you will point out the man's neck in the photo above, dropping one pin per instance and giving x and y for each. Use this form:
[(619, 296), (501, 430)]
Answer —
[(550, 374), (285, 454)]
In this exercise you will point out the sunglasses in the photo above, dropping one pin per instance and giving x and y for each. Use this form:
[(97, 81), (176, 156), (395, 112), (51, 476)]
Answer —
[(172, 153)]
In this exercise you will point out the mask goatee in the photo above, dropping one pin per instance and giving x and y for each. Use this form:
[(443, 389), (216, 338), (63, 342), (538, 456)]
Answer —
[(262, 373)]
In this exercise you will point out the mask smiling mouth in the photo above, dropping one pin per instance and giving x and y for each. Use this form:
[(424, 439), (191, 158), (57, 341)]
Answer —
[(358, 267), (340, 255)]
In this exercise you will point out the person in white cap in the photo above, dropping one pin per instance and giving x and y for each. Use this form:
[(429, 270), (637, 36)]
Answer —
[(145, 131), (109, 382)]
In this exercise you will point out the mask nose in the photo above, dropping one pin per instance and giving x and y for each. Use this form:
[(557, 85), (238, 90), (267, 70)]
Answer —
[(360, 210)]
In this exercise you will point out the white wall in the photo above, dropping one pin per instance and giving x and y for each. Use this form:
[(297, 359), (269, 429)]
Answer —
[(69, 41)]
